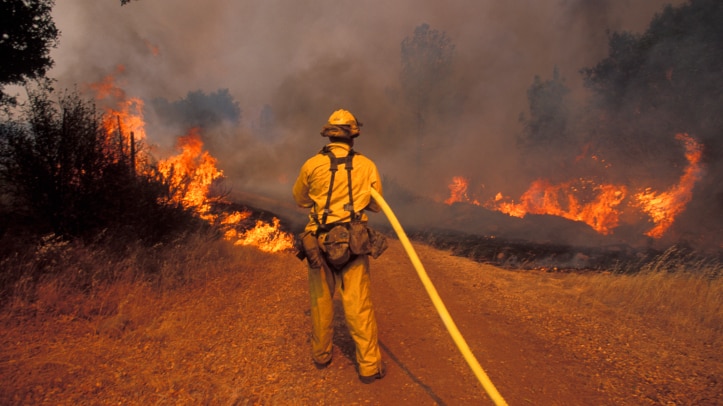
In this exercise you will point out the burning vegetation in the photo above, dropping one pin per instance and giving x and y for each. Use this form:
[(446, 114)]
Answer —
[(122, 120), (192, 173), (190, 176), (664, 207), (599, 205), (72, 171), (651, 86)]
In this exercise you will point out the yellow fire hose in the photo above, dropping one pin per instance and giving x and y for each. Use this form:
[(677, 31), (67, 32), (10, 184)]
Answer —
[(487, 384)]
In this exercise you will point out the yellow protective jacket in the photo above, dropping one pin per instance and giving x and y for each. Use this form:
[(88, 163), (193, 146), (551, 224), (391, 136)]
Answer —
[(312, 186)]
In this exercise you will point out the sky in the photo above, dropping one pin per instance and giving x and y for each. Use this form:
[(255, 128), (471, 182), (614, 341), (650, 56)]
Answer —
[(307, 59)]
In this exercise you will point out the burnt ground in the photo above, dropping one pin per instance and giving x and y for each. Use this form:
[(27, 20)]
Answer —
[(242, 339)]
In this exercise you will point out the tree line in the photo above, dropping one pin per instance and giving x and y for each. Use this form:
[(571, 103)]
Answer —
[(649, 87)]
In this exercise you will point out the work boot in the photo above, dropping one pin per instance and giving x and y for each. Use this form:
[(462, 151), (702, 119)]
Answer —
[(379, 375), (322, 365)]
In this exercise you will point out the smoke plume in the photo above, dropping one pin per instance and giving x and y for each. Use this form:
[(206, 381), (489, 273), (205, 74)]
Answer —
[(285, 66)]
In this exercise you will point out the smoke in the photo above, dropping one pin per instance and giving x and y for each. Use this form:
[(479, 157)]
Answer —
[(287, 65)]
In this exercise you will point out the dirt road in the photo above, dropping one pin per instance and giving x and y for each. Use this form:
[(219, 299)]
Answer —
[(242, 339)]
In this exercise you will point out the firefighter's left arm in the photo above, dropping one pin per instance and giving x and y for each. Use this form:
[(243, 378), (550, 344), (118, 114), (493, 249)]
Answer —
[(376, 184)]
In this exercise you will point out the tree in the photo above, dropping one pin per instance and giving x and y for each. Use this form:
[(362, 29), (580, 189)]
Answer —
[(548, 139), (59, 174), (668, 78), (199, 109), (547, 126), (266, 122), (426, 64), (28, 33), (665, 81)]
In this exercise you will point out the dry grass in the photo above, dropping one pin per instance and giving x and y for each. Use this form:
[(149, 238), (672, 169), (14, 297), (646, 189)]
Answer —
[(677, 291), (61, 277), (200, 321), (85, 321)]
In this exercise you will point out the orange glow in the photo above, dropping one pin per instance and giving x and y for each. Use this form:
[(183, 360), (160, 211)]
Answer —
[(107, 88), (664, 207), (152, 48)]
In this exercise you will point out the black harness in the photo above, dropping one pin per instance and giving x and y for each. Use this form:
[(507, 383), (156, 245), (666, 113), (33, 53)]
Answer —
[(334, 162)]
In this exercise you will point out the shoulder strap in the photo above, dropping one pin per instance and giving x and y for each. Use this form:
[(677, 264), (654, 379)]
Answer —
[(333, 167), (348, 165)]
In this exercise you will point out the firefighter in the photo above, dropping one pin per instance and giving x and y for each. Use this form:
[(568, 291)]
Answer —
[(338, 197)]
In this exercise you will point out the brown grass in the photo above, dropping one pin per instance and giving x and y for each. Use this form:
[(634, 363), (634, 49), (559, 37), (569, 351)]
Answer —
[(679, 292), (89, 320), (63, 278), (85, 317), (60, 277)]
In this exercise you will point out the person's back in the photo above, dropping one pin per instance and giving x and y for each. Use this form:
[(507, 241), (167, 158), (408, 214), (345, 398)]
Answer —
[(313, 189), (336, 185)]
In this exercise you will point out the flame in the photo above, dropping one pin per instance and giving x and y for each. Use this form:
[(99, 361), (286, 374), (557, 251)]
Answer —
[(264, 236), (267, 237), (235, 217), (123, 116), (458, 192), (190, 174), (597, 204), (664, 207), (580, 200), (127, 117)]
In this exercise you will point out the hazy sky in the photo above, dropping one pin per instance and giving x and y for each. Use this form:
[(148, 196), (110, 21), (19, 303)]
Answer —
[(306, 59)]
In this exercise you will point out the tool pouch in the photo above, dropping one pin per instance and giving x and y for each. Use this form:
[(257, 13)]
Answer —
[(365, 240), (310, 247), (359, 243), (377, 242), (299, 247), (335, 245)]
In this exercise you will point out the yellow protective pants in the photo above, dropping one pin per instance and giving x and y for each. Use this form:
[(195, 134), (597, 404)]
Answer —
[(353, 283)]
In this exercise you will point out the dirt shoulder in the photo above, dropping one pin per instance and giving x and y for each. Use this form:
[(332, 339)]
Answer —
[(242, 339)]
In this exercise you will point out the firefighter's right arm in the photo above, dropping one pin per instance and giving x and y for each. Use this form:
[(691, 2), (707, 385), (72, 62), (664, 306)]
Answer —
[(301, 189)]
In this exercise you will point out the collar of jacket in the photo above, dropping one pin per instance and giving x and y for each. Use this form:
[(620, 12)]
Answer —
[(346, 147)]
